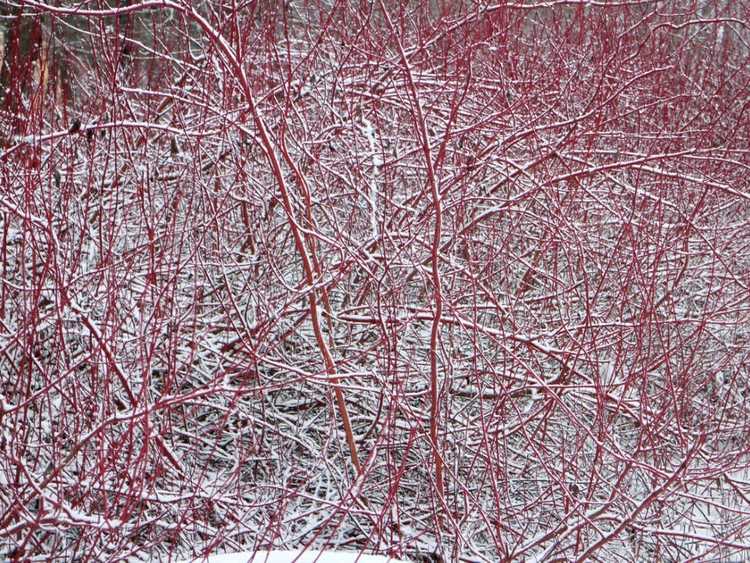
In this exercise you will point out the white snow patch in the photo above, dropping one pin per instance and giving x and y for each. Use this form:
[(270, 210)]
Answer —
[(377, 162), (297, 556)]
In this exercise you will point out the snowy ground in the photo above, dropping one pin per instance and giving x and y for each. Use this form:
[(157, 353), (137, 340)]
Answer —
[(297, 557)]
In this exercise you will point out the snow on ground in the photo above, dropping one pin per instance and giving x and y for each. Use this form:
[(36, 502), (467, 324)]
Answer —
[(297, 556)]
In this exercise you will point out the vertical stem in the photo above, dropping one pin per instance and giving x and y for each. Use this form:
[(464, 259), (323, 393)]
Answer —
[(308, 262), (435, 255)]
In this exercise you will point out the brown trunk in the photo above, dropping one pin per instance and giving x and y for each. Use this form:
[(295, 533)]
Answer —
[(21, 52)]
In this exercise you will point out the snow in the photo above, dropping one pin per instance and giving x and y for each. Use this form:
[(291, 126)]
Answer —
[(377, 162), (297, 556)]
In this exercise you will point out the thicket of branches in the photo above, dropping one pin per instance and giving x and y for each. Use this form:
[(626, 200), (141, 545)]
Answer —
[(411, 277)]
